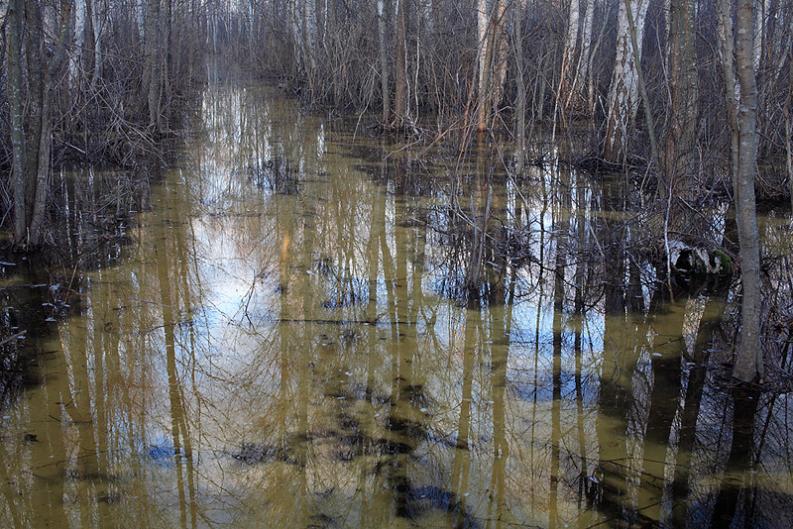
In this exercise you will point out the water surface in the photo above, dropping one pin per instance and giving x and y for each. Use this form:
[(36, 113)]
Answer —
[(291, 339)]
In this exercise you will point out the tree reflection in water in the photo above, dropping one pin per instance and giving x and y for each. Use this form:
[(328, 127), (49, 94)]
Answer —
[(303, 333)]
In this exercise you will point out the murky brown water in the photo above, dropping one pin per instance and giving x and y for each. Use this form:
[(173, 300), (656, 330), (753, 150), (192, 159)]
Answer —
[(283, 344)]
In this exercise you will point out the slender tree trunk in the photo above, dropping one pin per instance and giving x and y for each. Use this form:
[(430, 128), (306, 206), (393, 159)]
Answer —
[(319, 16), (501, 52), (759, 34), (76, 59), (140, 15), (308, 41), (482, 24), (400, 99), (680, 147), (151, 62), (43, 169), (14, 28), (251, 30), (567, 73), (624, 92), (582, 69), (749, 360), (520, 84), (381, 33), (35, 55), (789, 124), (298, 51), (97, 22), (726, 50)]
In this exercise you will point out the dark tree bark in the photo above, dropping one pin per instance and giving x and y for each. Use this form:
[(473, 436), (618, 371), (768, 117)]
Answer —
[(14, 27)]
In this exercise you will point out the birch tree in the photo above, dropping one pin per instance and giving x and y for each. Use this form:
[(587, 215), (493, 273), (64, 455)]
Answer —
[(493, 49), (78, 44), (381, 34), (501, 54), (482, 25), (681, 137), (623, 101), (520, 82), (749, 359), (400, 98), (97, 25), (568, 70), (584, 57)]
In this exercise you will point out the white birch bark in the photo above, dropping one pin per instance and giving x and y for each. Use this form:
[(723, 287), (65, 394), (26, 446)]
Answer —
[(501, 50), (759, 26), (295, 27), (749, 359), (97, 21), (572, 28), (381, 34), (78, 43), (567, 74), (482, 23), (624, 91), (140, 16), (586, 42)]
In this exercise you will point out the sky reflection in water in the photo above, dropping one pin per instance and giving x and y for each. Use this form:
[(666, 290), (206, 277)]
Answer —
[(283, 345)]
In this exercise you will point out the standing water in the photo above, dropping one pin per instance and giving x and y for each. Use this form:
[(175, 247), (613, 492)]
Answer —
[(284, 343)]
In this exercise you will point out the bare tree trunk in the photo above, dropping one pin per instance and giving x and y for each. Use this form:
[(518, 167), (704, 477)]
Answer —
[(381, 33), (167, 59), (14, 28), (308, 42), (54, 55), (582, 69), (319, 16), (759, 34), (624, 92), (251, 30), (680, 148), (151, 66), (400, 99), (493, 62), (520, 84), (501, 51), (43, 170), (789, 123), (31, 132), (35, 55), (76, 59), (566, 76), (726, 50), (97, 22), (749, 360), (297, 42), (140, 16), (482, 24)]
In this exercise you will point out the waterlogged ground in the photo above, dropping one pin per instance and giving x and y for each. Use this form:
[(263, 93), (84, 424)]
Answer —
[(284, 342)]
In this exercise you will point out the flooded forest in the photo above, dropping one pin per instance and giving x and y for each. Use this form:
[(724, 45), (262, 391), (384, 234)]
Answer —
[(399, 264)]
